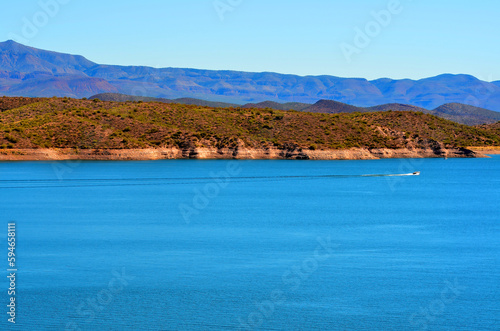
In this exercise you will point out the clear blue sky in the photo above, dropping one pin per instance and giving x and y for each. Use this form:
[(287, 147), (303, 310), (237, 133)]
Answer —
[(424, 38)]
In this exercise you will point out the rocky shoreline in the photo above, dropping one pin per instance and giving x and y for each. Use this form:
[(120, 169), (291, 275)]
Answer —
[(232, 153), (485, 150)]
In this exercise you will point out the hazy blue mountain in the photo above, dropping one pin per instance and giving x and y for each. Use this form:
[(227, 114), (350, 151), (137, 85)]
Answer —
[(466, 114), (27, 71), (17, 57)]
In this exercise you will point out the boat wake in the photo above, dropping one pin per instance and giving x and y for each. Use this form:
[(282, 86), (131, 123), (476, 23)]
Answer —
[(416, 173), (96, 182)]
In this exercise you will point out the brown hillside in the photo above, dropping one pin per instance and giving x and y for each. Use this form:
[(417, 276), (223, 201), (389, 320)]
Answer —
[(91, 124)]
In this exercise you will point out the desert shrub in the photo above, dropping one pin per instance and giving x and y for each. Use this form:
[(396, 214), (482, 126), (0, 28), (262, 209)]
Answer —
[(12, 139), (153, 130)]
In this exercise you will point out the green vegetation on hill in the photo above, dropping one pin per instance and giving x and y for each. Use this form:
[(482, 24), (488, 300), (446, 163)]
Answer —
[(277, 105), (91, 124), (493, 128)]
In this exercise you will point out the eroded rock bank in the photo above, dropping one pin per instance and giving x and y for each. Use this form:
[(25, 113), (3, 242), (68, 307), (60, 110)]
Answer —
[(233, 153)]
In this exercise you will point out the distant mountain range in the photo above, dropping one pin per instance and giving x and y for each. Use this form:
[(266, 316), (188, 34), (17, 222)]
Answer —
[(27, 71), (456, 112)]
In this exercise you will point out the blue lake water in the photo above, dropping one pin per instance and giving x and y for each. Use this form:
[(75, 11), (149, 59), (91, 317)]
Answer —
[(266, 245)]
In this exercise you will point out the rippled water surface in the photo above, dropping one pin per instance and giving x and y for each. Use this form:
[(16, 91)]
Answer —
[(271, 245)]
